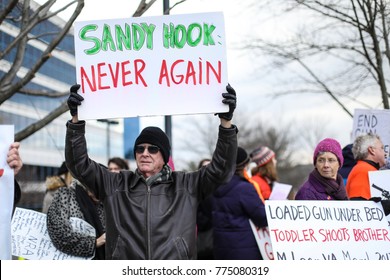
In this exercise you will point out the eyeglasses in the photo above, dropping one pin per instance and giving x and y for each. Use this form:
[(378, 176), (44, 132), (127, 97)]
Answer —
[(139, 149), (324, 160)]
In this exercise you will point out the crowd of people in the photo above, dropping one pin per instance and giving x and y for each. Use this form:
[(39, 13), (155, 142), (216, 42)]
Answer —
[(156, 212)]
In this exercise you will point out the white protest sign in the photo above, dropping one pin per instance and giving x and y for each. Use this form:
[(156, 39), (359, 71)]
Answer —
[(31, 240), (374, 121), (280, 191), (263, 241), (380, 185), (147, 66), (6, 191), (328, 230)]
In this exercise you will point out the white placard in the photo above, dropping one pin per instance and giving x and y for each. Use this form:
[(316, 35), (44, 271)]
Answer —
[(375, 121), (6, 191), (280, 191), (328, 230), (31, 240), (147, 66), (263, 241)]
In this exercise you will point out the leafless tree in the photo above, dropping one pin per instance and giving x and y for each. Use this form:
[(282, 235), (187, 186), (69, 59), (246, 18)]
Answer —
[(13, 81), (340, 48)]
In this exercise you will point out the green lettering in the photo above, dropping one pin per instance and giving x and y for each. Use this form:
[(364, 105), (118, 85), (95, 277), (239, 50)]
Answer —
[(179, 42), (83, 36), (194, 42), (208, 39), (149, 34), (107, 40), (168, 35), (138, 36), (123, 38)]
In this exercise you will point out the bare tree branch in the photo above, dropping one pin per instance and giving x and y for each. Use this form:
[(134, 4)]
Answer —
[(23, 134)]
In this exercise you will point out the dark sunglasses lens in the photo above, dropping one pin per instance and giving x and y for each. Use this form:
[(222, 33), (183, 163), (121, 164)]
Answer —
[(153, 149), (139, 149)]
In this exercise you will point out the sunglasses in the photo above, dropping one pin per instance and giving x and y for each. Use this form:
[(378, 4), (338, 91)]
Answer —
[(151, 149)]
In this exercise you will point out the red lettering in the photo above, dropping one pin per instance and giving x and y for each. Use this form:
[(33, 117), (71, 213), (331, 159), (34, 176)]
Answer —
[(268, 250), (110, 78), (101, 74), (181, 77), (125, 73), (191, 73), (84, 77), (138, 70), (115, 75), (294, 235), (216, 73), (164, 73)]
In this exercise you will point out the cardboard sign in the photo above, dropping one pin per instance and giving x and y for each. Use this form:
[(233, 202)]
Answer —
[(374, 121), (328, 230), (31, 240), (147, 66), (6, 191)]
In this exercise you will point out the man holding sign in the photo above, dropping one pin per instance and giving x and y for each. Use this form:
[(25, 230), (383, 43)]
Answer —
[(151, 212)]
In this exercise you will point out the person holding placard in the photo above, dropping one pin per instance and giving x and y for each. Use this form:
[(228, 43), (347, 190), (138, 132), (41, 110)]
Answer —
[(368, 151), (151, 212), (324, 182), (234, 205)]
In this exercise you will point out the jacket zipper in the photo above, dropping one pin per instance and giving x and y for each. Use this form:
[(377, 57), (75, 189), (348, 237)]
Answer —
[(148, 219)]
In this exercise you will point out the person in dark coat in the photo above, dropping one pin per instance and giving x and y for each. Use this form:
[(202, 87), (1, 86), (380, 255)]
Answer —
[(234, 204), (151, 211), (349, 162)]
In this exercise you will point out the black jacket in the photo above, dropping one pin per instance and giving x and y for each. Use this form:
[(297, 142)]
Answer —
[(157, 222)]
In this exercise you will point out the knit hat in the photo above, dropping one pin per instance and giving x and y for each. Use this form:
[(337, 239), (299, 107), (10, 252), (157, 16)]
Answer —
[(329, 145), (262, 155), (155, 136), (242, 158)]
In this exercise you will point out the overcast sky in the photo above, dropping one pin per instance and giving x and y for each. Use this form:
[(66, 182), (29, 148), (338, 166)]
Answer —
[(250, 88)]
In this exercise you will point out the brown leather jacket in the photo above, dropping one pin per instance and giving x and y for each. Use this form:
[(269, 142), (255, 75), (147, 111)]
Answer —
[(156, 222)]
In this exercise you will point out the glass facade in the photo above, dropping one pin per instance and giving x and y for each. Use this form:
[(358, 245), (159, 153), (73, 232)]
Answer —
[(43, 152)]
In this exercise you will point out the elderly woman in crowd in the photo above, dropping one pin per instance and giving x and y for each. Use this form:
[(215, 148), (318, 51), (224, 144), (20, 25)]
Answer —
[(324, 182)]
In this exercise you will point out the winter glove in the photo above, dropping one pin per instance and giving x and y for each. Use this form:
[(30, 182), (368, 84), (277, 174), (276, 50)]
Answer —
[(386, 206), (376, 199), (230, 99), (74, 99)]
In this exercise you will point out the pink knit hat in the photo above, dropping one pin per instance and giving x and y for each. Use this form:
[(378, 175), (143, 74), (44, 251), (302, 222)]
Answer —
[(262, 155), (329, 145)]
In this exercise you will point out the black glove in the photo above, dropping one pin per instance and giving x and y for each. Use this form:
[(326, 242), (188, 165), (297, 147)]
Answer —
[(74, 99), (386, 206), (230, 99), (376, 199)]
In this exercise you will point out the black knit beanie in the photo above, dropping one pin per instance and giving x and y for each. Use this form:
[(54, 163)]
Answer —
[(242, 158), (155, 136)]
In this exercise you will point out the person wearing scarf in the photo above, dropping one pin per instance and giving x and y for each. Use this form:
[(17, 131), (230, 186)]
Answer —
[(324, 182)]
